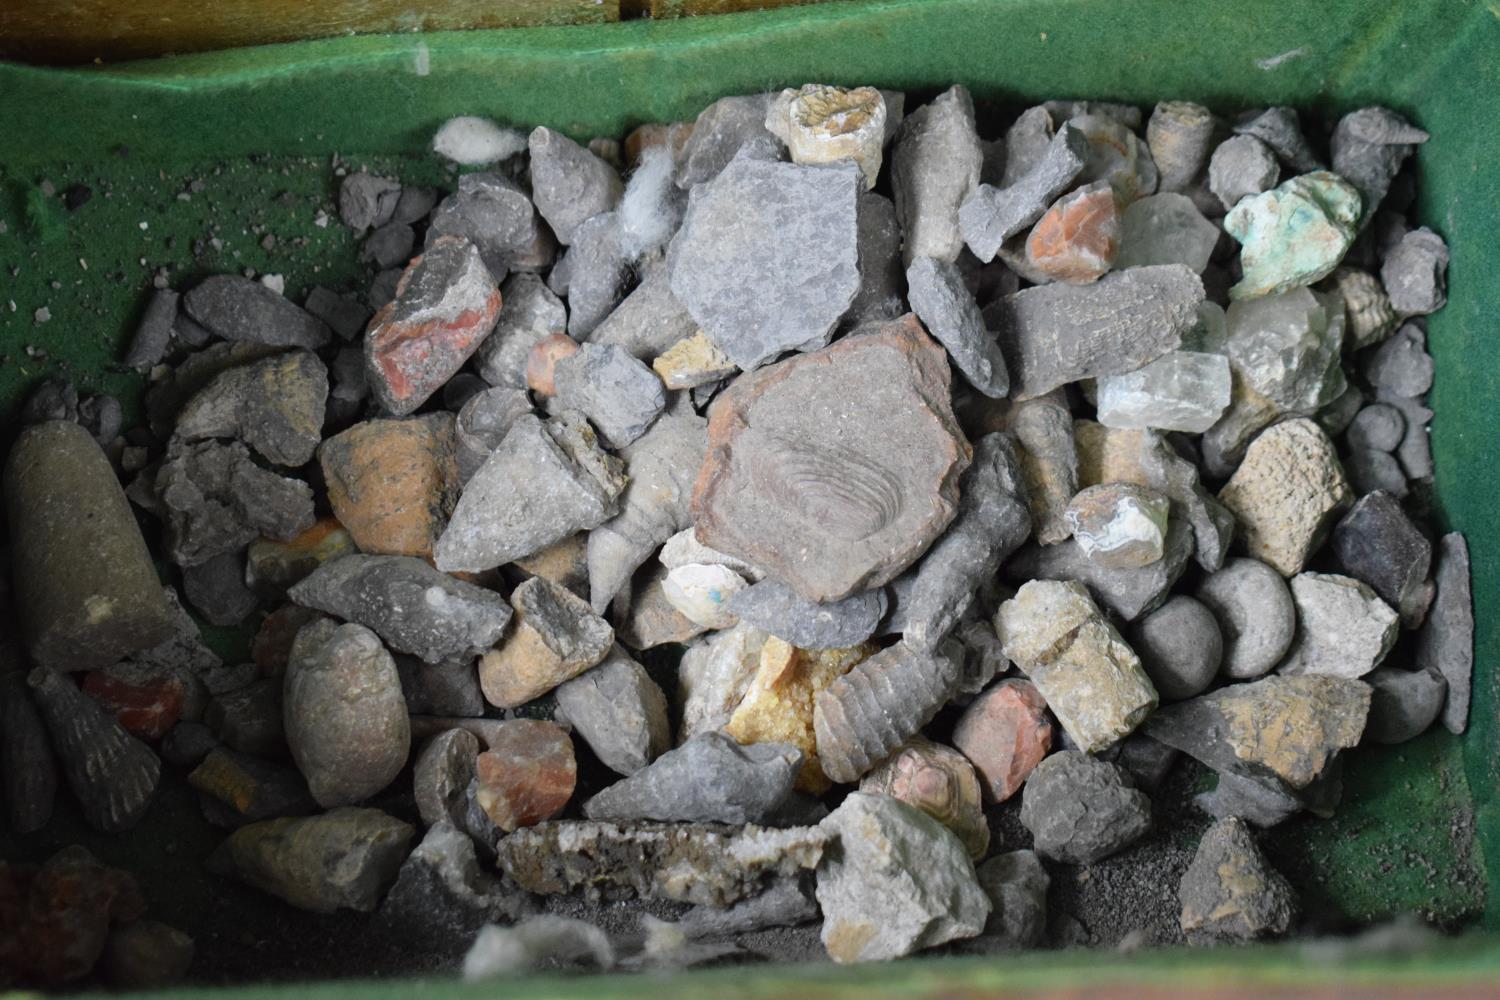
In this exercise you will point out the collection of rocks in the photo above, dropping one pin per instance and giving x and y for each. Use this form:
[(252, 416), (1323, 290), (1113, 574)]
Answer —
[(956, 470)]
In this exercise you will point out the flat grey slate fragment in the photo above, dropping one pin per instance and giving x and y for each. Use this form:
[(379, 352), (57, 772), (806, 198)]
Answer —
[(412, 606), (619, 711), (709, 779), (1367, 150), (1415, 273), (528, 312), (935, 163), (619, 395), (777, 609), (153, 335), (990, 215), (718, 134), (274, 405), (767, 259), (1026, 143), (568, 183), (597, 273), (648, 321), (217, 500), (1081, 810), (545, 482), (1446, 643), (237, 308), (946, 307), (1060, 333), (1128, 593), (1230, 892)]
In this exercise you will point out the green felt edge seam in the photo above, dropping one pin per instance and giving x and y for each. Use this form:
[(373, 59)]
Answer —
[(1434, 60)]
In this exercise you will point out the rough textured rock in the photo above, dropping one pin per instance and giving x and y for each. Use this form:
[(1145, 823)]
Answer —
[(408, 604), (1286, 494), (619, 711), (217, 590), (941, 783), (822, 124), (1078, 238), (1080, 809), (719, 133), (527, 774), (1179, 135), (881, 275), (1367, 309), (989, 216), (1128, 593), (946, 307), (1401, 366), (649, 320), (441, 897), (1378, 544), (568, 183), (1403, 703), (835, 470), (1005, 732), (1241, 165), (1255, 613), (935, 163), (1446, 643), (556, 637), (693, 361), (776, 608), (274, 405), (709, 779), (59, 917), (446, 303), (864, 716), (895, 882), (441, 775), (491, 211), (594, 273), (1414, 273), (393, 483), (546, 481), (713, 677), (1415, 452), (1377, 427), (1180, 646), (1089, 677), (1055, 334), (345, 718), (767, 257), (1017, 885), (218, 500), (707, 865), (1230, 892), (240, 309), (1294, 234), (1043, 428), (530, 313), (344, 858), (482, 424), (1119, 525), (619, 395)]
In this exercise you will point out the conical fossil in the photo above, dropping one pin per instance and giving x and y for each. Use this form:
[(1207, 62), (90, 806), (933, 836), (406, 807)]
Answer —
[(29, 769)]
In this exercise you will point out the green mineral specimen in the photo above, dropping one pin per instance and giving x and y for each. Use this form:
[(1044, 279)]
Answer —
[(1294, 234)]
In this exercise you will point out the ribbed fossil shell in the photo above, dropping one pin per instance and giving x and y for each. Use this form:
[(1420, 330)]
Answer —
[(30, 770), (112, 773), (939, 781), (1179, 134), (1366, 308)]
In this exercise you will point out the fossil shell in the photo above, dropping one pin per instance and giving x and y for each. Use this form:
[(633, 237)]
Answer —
[(939, 781), (112, 773), (29, 769), (1179, 136), (1366, 307)]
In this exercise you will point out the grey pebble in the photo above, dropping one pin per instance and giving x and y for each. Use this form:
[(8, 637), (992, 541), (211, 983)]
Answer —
[(948, 310), (596, 271), (1379, 427), (1147, 761), (1279, 129), (1017, 885), (1256, 615), (1081, 810), (619, 711), (1128, 593), (1415, 453), (718, 134), (153, 335), (250, 719), (450, 688), (1415, 273), (1370, 470), (344, 314), (1241, 165), (569, 184), (787, 902), (441, 776), (1403, 703), (1180, 647), (54, 399), (366, 201), (935, 164), (216, 588), (1400, 365), (389, 246), (482, 424)]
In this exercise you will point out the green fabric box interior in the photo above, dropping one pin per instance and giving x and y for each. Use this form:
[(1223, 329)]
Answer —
[(1420, 824)]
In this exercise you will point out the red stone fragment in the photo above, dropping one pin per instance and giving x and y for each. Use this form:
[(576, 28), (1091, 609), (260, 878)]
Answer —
[(541, 363), (147, 709), (55, 920), (1005, 733), (527, 774), (1076, 241)]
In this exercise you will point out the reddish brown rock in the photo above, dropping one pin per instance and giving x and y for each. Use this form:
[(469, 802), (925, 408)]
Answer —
[(272, 645), (1005, 733), (527, 774), (393, 483), (1076, 241), (55, 920), (446, 303), (272, 567), (833, 471), (148, 708), (541, 363)]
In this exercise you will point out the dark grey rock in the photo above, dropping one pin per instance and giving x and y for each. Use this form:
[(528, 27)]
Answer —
[(1128, 593), (1415, 273), (1230, 892), (275, 405), (1081, 810), (491, 211), (1256, 616), (101, 416), (1145, 760), (777, 609), (709, 779), (347, 374), (1379, 427), (53, 399), (1060, 333), (596, 271), (450, 688), (217, 500), (389, 246), (415, 204), (188, 331), (366, 201), (227, 677), (1400, 365), (216, 588), (482, 425), (1335, 417), (648, 321), (935, 164), (409, 604), (1446, 644), (619, 395), (1279, 129), (718, 135), (1369, 470), (990, 216), (1264, 804), (767, 259), (619, 711), (568, 183), (787, 902), (249, 719), (383, 287), (945, 306), (1377, 542), (1017, 885), (1415, 453), (187, 744), (153, 335), (441, 897), (239, 309), (28, 768), (1180, 647), (1403, 703), (881, 281), (1367, 150), (441, 776), (528, 313)]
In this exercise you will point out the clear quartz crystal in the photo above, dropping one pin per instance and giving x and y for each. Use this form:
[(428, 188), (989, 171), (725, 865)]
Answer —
[(1165, 229), (1180, 391), (1287, 347)]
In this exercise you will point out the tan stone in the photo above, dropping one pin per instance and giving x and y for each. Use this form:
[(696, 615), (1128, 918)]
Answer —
[(541, 363), (565, 562), (1294, 725), (941, 782), (393, 483), (691, 362)]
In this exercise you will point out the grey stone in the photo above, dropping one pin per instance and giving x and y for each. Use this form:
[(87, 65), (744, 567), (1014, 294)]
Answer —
[(442, 897), (1279, 129), (153, 335), (881, 281), (250, 719), (767, 257), (1026, 143), (216, 588), (528, 313), (1060, 333), (347, 373), (1017, 885), (1146, 761), (897, 881), (1446, 643), (1377, 542), (239, 309), (777, 609), (274, 405), (1400, 365), (709, 779), (1379, 427), (1415, 273), (101, 416), (415, 204), (1343, 628), (1180, 647), (189, 331), (1241, 165), (945, 306), (383, 285), (1403, 703), (1128, 593), (450, 688), (935, 164), (1256, 616), (389, 246), (1370, 470), (1179, 135), (718, 134), (217, 500), (366, 201), (662, 466), (593, 274), (228, 677), (990, 216), (993, 520), (344, 314), (1230, 892), (28, 767), (545, 482), (569, 184), (1368, 148), (619, 711), (1263, 804), (441, 775), (491, 211), (460, 389), (1081, 810), (409, 604), (619, 395), (785, 903), (649, 321), (482, 425), (1415, 453), (187, 744), (1165, 229)]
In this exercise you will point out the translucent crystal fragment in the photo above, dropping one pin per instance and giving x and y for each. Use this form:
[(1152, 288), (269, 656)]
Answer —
[(1165, 229), (1287, 347), (1181, 391)]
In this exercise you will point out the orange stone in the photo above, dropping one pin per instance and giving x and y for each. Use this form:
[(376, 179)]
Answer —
[(1076, 241), (1005, 733), (146, 709), (393, 483), (527, 775), (541, 363)]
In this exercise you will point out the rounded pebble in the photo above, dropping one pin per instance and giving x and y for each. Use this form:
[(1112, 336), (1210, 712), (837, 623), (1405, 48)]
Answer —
[(1369, 470), (1180, 647), (1403, 703), (1256, 616), (1378, 427)]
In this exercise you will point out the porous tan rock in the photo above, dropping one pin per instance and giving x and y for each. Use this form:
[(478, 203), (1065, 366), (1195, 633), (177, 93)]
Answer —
[(393, 483)]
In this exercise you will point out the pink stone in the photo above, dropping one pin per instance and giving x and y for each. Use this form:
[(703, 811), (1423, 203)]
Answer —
[(527, 774), (1005, 733)]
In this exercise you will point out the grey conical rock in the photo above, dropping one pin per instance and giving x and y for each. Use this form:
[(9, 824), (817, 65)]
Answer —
[(1230, 892), (935, 163), (409, 604), (441, 775), (990, 215), (1367, 150), (619, 711), (568, 183), (779, 610), (1080, 809), (274, 405), (545, 482), (709, 779), (1043, 429), (29, 777), (947, 308), (113, 775)]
